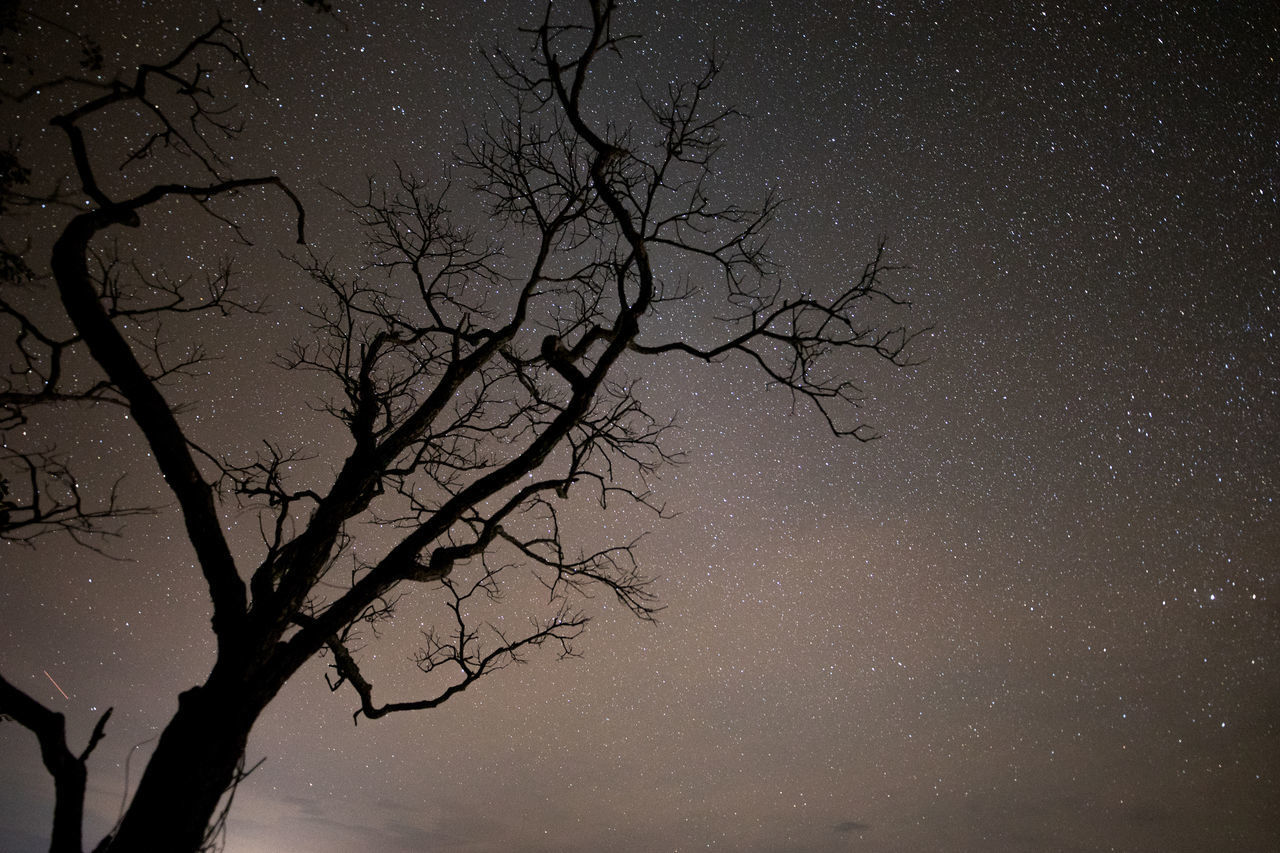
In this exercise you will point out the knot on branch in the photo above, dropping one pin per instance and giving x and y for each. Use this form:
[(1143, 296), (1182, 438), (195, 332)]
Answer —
[(436, 568), (559, 359)]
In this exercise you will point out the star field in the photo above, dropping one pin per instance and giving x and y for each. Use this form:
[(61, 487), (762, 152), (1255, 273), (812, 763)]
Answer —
[(1038, 614)]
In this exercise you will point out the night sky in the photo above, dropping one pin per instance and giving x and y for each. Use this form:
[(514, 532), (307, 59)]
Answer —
[(1040, 613)]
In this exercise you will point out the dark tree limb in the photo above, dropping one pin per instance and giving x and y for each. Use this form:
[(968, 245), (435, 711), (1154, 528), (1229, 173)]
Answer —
[(460, 648), (487, 399), (45, 497), (66, 767), (81, 298)]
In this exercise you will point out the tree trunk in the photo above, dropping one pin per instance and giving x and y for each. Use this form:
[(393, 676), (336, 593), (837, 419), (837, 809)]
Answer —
[(68, 808), (193, 765)]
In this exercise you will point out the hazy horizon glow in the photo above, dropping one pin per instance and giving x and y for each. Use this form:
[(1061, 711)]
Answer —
[(1038, 614)]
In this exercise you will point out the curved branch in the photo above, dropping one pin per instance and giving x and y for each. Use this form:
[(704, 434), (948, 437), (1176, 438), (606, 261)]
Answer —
[(459, 649), (149, 408)]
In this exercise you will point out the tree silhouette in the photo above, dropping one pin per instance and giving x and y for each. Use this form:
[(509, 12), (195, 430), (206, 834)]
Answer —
[(479, 402)]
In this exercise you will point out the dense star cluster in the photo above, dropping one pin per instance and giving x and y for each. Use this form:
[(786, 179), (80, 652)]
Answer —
[(1039, 613)]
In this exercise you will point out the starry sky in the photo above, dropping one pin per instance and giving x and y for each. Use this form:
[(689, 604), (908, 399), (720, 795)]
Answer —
[(1040, 613)]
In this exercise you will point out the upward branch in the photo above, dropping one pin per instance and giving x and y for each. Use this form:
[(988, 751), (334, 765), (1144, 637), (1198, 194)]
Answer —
[(66, 767), (82, 297), (600, 201), (488, 398)]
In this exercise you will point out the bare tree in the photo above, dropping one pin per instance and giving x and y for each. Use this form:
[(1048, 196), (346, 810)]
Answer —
[(484, 392)]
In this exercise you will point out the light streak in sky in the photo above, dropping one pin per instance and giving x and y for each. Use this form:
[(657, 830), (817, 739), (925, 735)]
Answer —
[(55, 684)]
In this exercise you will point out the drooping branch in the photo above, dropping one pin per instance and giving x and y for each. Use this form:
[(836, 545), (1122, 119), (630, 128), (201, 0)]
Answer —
[(793, 341), (202, 120), (460, 648)]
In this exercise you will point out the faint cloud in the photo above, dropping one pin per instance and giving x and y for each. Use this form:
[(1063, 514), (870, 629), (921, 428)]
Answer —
[(851, 826)]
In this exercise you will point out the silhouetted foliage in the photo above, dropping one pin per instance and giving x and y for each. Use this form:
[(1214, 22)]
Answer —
[(483, 395)]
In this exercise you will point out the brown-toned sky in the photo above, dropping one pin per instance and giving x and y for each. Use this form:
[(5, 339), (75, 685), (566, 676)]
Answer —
[(1038, 614)]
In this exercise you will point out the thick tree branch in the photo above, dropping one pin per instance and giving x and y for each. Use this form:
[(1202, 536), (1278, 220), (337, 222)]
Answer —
[(66, 768), (93, 322), (487, 393)]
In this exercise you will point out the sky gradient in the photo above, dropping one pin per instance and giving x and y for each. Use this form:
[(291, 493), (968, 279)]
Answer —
[(1039, 614)]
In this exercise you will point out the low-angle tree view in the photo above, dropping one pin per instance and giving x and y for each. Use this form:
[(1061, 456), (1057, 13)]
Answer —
[(631, 425), (485, 379)]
